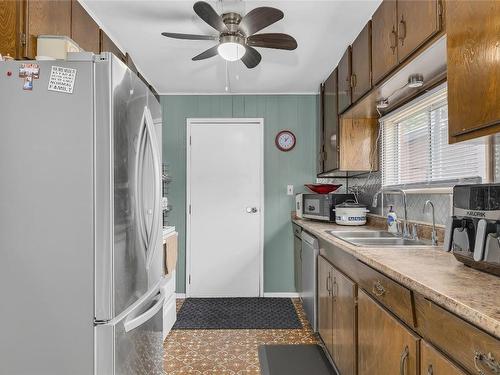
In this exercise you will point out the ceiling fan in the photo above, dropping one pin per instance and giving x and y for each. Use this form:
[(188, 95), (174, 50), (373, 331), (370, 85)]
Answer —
[(237, 34)]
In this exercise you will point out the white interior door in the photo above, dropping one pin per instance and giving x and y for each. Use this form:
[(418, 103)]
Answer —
[(225, 208)]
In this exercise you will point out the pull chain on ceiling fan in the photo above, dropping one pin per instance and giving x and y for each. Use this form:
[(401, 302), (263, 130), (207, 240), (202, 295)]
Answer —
[(237, 35)]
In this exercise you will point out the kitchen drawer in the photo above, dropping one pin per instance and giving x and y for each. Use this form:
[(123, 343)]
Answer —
[(389, 293), (458, 339), (297, 230)]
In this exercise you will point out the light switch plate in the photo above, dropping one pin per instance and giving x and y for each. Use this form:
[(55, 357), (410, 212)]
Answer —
[(289, 189)]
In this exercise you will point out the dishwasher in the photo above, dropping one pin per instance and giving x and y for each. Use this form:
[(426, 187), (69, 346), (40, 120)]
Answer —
[(310, 251)]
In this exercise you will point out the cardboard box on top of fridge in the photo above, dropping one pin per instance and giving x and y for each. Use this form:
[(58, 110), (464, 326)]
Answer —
[(55, 47)]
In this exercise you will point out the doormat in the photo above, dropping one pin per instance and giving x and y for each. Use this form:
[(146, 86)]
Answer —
[(237, 313), (294, 360)]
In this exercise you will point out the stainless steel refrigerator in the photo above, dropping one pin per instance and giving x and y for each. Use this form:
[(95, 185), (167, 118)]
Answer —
[(80, 219)]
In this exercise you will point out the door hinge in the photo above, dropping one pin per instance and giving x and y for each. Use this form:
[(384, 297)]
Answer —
[(22, 38)]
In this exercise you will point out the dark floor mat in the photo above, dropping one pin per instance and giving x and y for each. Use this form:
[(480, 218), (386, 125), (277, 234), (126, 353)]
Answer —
[(237, 313), (294, 360)]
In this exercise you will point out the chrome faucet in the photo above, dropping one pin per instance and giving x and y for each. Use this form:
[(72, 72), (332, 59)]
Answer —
[(434, 236), (405, 230)]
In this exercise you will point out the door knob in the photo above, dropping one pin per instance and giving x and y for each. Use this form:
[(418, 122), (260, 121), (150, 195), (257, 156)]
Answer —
[(252, 210)]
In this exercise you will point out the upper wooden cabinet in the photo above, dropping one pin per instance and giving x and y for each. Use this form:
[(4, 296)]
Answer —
[(473, 49), (48, 17), (344, 81), (384, 39), (11, 28), (433, 362), (107, 45), (398, 29), (385, 346), (330, 124), (21, 22), (418, 20), (84, 30), (358, 143), (361, 63)]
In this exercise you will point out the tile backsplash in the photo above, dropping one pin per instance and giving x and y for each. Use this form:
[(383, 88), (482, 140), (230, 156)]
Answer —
[(369, 184)]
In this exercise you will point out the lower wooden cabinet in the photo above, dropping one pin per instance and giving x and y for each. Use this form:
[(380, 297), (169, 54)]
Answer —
[(385, 346), (337, 316), (325, 303), (433, 362), (344, 323)]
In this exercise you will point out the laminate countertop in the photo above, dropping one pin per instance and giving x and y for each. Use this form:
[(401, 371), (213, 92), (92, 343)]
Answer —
[(470, 294)]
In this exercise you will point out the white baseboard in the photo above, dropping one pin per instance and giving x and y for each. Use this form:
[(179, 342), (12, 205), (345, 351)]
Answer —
[(180, 295), (282, 295)]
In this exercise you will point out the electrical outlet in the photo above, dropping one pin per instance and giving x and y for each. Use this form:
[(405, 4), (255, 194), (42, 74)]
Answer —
[(289, 189)]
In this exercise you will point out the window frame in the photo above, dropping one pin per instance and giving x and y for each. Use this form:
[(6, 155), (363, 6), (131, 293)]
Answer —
[(435, 187)]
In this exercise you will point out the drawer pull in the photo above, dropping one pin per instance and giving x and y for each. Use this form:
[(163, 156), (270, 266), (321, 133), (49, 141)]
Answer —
[(488, 360), (403, 360), (378, 289)]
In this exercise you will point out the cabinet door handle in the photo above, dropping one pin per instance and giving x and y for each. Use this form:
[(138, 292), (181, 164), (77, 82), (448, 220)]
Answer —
[(335, 289), (353, 80), (328, 285), (488, 360), (402, 30), (393, 36), (403, 361), (430, 371), (378, 289)]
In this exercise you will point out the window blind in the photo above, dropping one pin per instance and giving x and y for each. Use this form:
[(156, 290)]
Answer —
[(415, 147)]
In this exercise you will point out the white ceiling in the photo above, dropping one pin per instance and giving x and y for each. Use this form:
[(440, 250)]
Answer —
[(323, 30)]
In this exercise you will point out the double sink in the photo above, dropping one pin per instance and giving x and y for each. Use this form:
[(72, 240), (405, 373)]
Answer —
[(375, 238)]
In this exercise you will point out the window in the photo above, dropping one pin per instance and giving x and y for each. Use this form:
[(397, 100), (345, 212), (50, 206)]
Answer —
[(415, 149)]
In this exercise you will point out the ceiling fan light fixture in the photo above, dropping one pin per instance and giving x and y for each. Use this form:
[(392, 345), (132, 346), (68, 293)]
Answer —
[(231, 48)]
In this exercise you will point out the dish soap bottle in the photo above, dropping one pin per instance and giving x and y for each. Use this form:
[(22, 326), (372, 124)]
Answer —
[(392, 220)]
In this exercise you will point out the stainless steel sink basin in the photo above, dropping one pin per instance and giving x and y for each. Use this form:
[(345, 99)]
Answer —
[(362, 234), (383, 242), (376, 238)]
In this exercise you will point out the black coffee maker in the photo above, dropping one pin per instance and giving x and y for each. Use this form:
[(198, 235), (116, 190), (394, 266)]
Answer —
[(473, 232)]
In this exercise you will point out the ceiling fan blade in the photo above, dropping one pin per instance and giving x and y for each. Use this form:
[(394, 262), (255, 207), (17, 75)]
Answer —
[(276, 40), (210, 16), (211, 52), (190, 36), (251, 58), (259, 18)]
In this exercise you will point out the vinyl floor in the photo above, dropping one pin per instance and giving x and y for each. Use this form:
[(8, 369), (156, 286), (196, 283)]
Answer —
[(234, 352)]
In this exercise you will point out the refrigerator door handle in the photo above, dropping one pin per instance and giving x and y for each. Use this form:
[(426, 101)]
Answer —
[(157, 184), (133, 322), (139, 161)]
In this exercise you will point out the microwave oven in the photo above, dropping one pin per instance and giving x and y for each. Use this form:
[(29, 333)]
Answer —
[(322, 206)]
